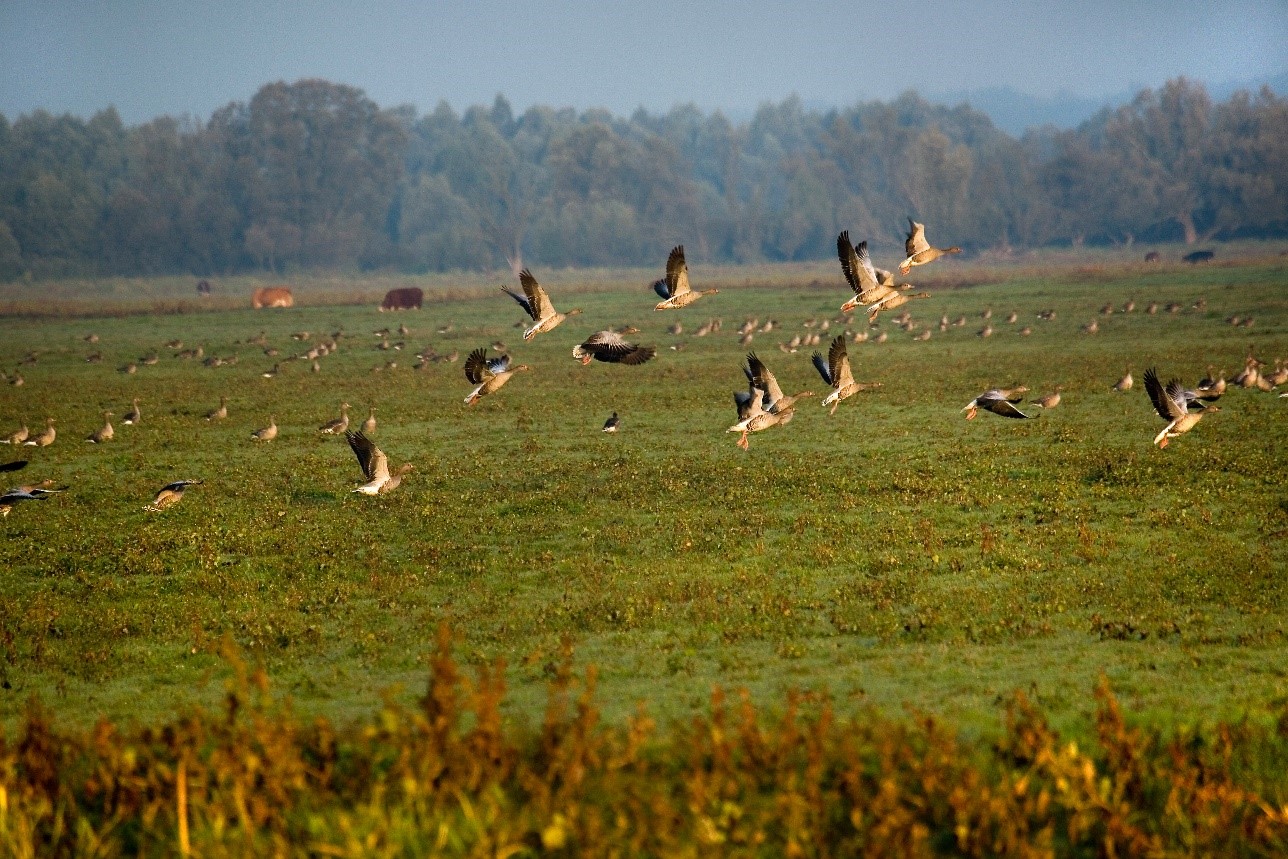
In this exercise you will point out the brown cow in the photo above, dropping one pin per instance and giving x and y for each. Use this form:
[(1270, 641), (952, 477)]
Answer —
[(272, 296), (407, 298)]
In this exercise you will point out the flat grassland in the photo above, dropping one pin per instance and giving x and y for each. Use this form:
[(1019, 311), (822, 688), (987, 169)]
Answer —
[(892, 555)]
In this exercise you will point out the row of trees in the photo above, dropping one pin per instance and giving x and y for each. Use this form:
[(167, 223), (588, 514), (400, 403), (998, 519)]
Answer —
[(314, 175)]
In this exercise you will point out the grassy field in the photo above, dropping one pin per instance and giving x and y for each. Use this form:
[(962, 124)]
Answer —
[(893, 555)]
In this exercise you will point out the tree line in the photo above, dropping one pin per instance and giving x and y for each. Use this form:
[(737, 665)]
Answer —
[(314, 175)]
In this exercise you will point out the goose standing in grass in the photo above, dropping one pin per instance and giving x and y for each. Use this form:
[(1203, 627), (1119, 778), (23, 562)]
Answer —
[(774, 400), (375, 466), (337, 426), (488, 374), (836, 373), (674, 288), (18, 436), (220, 413), (103, 433), (1125, 383), (1049, 401), (612, 348), (267, 433), (537, 305), (133, 416), (612, 424), (44, 438), (169, 495), (1171, 405), (999, 401), (369, 425), (919, 250)]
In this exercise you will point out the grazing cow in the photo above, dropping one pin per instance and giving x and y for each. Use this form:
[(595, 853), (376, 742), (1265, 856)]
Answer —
[(1199, 256), (1153, 256), (407, 298), (203, 288), (272, 296)]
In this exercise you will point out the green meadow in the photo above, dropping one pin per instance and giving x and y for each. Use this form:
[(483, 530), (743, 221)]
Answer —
[(893, 556)]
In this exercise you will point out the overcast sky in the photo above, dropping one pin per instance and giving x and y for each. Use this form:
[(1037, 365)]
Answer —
[(154, 57)]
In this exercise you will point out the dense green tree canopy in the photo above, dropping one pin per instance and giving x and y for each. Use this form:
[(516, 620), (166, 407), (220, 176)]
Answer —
[(314, 175)]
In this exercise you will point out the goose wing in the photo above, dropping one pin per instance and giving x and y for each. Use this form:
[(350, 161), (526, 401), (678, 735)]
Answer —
[(677, 272), (660, 287), (916, 241), (1169, 402), (178, 485), (537, 298), (742, 400), (476, 367), (371, 459), (838, 362), (820, 364), (527, 305), (498, 365), (857, 265), (761, 378), (1001, 406)]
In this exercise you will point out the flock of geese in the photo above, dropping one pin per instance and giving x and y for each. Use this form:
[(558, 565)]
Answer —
[(762, 406)]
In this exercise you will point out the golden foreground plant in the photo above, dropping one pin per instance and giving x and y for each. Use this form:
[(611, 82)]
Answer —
[(448, 778)]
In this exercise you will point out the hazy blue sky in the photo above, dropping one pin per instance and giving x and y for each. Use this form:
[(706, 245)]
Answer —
[(152, 57)]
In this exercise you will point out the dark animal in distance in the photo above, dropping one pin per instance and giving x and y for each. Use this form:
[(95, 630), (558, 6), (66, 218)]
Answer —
[(406, 298), (1199, 256), (203, 288), (1153, 256)]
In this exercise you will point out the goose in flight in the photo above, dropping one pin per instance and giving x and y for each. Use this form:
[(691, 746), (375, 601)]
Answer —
[(919, 250), (488, 374), (1171, 405), (375, 466), (999, 401), (612, 348), (536, 304), (674, 288), (774, 400)]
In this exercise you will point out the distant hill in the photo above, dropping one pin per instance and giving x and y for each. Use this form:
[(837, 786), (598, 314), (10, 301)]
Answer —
[(1014, 112)]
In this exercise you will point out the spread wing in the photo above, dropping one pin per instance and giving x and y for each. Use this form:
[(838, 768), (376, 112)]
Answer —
[(498, 365), (916, 242), (838, 362), (523, 302), (857, 266), (743, 400), (820, 364), (371, 459), (1169, 403), (677, 272), (476, 367), (761, 378), (537, 298), (1001, 406), (660, 287)]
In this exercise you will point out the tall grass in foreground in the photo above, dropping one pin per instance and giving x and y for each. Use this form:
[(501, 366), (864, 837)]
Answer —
[(448, 778)]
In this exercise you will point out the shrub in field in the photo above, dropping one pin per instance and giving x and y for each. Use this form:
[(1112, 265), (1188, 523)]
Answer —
[(449, 777)]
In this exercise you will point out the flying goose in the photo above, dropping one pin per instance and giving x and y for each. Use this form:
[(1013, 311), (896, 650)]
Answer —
[(919, 250), (29, 492), (170, 494), (613, 423), (1171, 406), (220, 413), (132, 417), (337, 426), (612, 348), (45, 438), (18, 436), (267, 433), (103, 433), (836, 372), (860, 274), (375, 466), (536, 304), (489, 374), (997, 401), (674, 288)]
